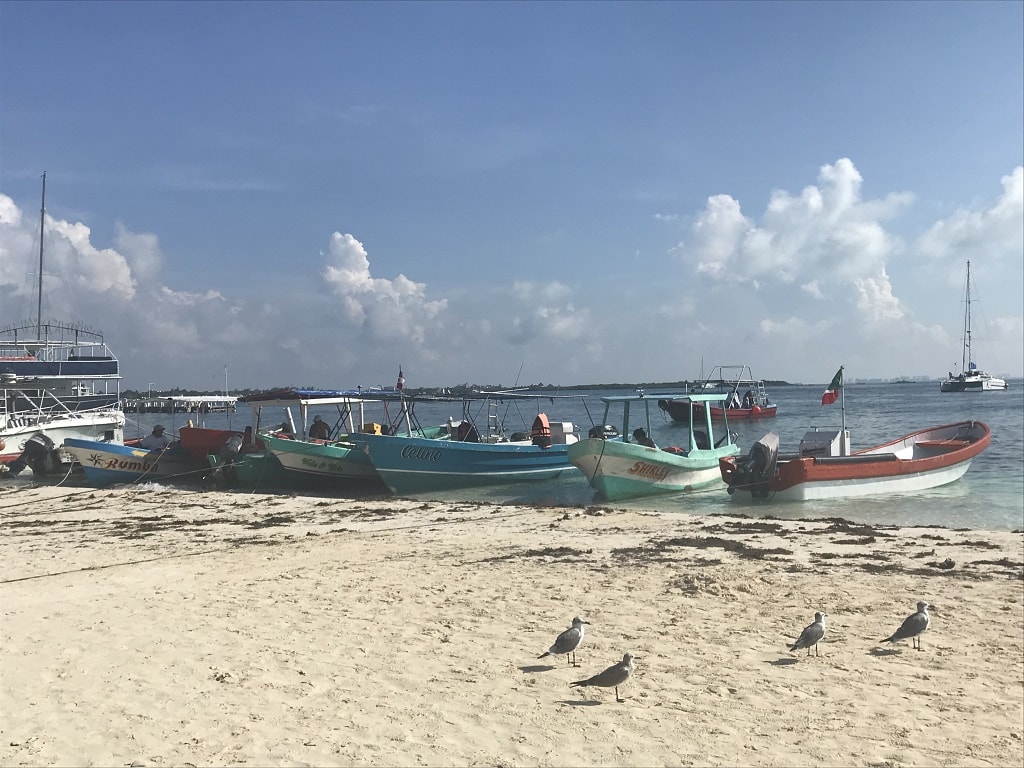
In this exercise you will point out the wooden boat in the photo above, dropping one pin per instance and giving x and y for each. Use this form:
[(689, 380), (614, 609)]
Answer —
[(322, 463), (108, 463), (461, 454), (824, 468), (623, 467), (971, 378), (743, 397)]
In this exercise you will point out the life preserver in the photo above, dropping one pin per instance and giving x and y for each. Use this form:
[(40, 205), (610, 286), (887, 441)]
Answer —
[(2, 444), (756, 410)]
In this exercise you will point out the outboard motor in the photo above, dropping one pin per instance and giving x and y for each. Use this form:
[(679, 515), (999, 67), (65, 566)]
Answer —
[(604, 432), (231, 448), (754, 469), (39, 453)]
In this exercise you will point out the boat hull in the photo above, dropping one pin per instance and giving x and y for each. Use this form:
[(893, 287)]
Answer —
[(921, 460), (619, 470), (679, 411), (83, 425), (109, 463), (337, 464), (419, 464), (977, 383), (250, 471)]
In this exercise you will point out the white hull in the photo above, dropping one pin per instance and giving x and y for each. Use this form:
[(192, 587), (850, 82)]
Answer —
[(880, 486), (982, 383), (88, 425)]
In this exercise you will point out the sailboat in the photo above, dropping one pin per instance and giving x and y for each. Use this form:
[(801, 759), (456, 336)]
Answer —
[(57, 380), (971, 378)]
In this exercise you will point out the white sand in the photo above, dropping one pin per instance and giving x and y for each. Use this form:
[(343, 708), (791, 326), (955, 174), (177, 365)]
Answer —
[(167, 627)]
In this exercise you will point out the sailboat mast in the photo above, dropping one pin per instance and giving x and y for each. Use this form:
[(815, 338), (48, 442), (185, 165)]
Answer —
[(42, 226), (967, 324)]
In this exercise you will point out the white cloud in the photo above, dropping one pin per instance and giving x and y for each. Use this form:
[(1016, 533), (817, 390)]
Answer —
[(387, 309), (994, 233)]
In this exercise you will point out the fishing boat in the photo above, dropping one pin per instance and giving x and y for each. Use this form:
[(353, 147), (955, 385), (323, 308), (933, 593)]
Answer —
[(332, 461), (825, 467), (744, 397), (971, 378), (57, 380), (108, 463), (462, 453), (631, 465)]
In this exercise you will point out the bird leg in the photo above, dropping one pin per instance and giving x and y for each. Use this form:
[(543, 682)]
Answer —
[(620, 700)]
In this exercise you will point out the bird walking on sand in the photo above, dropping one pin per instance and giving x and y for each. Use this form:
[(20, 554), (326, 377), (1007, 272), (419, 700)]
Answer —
[(612, 677), (811, 635), (912, 627), (567, 642)]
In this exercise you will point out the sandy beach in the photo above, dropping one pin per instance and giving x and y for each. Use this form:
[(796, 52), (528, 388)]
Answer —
[(165, 627)]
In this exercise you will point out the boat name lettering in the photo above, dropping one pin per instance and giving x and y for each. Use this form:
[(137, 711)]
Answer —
[(129, 465), (421, 453), (649, 471)]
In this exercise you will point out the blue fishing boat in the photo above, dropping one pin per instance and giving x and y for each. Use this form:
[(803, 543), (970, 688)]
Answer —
[(461, 454)]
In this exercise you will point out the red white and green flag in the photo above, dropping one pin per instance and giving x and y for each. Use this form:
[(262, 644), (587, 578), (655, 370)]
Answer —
[(832, 392)]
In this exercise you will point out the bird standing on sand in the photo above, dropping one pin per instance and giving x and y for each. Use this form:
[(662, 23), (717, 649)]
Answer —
[(612, 677), (811, 635), (912, 627), (567, 642)]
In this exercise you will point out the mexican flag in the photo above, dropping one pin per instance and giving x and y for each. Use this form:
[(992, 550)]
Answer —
[(832, 392)]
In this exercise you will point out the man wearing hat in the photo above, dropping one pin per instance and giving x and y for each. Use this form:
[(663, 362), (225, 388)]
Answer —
[(319, 430), (157, 440)]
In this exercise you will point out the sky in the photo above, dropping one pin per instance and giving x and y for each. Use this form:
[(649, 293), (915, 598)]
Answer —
[(318, 194)]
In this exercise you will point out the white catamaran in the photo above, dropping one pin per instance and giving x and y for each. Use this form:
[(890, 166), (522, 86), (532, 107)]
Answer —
[(971, 378)]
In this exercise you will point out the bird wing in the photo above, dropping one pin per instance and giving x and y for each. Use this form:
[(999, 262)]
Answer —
[(566, 642), (912, 626), (811, 634)]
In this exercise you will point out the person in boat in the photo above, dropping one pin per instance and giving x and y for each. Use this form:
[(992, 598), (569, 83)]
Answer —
[(748, 399), (156, 440), (641, 437), (285, 430), (319, 429)]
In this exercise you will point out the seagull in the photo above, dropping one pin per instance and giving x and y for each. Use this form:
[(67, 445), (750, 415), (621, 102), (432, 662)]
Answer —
[(912, 627), (612, 677), (567, 642), (811, 635)]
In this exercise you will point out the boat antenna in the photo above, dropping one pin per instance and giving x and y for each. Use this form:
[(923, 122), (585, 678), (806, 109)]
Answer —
[(42, 223)]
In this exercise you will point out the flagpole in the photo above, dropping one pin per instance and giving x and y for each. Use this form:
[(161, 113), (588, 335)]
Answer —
[(842, 393)]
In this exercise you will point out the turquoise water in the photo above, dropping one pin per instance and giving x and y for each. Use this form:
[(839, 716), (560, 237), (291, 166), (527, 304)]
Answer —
[(989, 496)]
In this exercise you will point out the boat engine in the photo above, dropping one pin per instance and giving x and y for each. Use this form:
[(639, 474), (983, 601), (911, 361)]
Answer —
[(755, 469), (604, 432), (39, 453)]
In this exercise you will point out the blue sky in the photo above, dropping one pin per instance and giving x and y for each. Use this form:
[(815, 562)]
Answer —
[(316, 193)]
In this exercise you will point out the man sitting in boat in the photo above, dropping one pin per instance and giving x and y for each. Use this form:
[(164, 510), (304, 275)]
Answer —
[(641, 437), (156, 440), (748, 399), (319, 429)]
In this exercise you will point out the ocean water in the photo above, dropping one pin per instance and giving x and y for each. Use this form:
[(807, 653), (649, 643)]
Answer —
[(989, 496)]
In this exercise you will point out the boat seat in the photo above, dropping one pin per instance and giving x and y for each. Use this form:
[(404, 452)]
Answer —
[(951, 444)]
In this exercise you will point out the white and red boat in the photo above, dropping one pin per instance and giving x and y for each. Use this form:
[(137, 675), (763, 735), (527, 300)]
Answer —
[(825, 469), (743, 397)]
